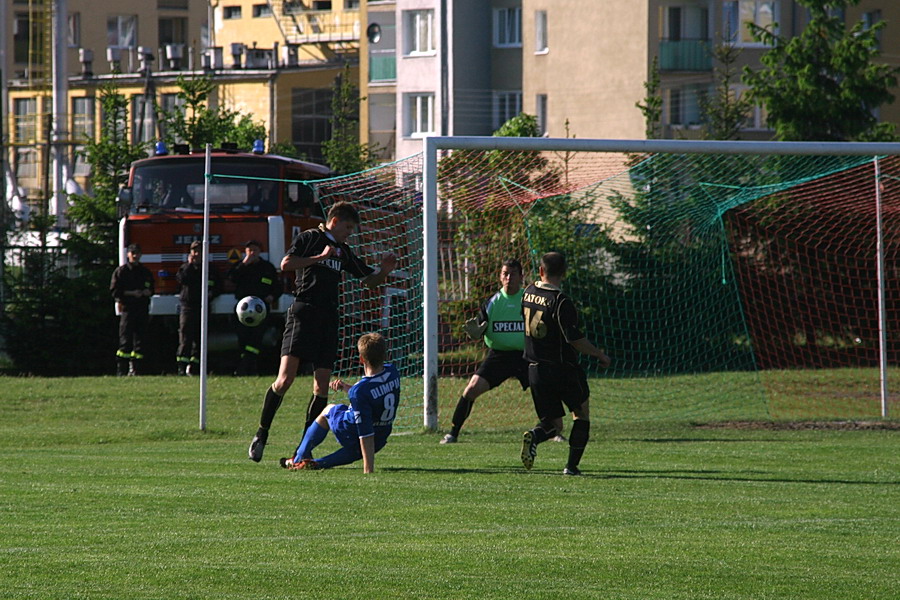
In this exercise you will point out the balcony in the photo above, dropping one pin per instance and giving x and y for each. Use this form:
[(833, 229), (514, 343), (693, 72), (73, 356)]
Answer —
[(685, 55), (307, 25), (382, 65)]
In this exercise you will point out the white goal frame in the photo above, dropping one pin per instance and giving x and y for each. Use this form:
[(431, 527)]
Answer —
[(433, 145)]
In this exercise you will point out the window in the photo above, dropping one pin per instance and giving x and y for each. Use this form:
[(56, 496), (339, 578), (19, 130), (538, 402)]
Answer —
[(26, 163), (121, 31), (419, 32), (540, 32), (73, 30), (83, 118), (168, 103), (685, 104), (310, 123), (172, 30), (172, 4), (420, 114), (351, 4), (508, 27), (26, 119), (540, 107), (261, 10), (737, 13), (231, 12), (869, 20), (506, 106), (27, 36), (143, 119)]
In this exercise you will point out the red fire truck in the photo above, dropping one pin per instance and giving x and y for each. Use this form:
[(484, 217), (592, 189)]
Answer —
[(252, 196)]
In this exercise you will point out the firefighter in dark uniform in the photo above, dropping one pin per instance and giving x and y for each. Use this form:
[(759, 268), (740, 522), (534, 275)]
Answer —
[(253, 276), (190, 297), (131, 287)]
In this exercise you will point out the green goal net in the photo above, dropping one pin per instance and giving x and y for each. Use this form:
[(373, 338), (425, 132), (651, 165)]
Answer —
[(724, 285)]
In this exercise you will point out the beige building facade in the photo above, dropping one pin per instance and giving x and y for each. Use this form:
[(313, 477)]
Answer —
[(274, 61)]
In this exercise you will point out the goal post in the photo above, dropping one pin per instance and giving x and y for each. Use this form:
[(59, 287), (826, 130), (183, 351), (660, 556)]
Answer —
[(738, 191)]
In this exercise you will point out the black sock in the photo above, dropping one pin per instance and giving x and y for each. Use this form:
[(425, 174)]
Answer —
[(270, 407), (542, 432), (462, 412), (316, 405), (578, 440)]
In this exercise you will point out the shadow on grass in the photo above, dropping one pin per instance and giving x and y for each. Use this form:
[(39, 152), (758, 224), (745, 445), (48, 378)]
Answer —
[(699, 475)]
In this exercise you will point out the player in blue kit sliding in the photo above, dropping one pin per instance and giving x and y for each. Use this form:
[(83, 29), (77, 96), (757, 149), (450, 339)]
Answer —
[(362, 428)]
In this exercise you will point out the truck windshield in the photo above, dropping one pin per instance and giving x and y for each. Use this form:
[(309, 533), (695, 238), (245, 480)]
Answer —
[(171, 185)]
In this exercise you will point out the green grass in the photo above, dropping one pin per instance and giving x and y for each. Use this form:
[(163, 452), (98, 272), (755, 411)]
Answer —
[(109, 490)]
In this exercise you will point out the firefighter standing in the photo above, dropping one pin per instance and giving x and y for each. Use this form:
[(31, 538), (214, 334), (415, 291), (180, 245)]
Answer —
[(253, 276), (190, 297), (131, 287)]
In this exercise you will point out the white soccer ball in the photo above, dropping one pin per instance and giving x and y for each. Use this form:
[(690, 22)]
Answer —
[(251, 311)]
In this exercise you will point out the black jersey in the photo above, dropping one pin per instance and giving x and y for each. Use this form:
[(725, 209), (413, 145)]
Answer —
[(551, 324), (318, 283), (130, 277)]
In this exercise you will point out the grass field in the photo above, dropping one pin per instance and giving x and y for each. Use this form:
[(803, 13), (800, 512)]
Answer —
[(109, 490)]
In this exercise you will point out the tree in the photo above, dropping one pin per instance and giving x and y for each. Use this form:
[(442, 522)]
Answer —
[(343, 152), (652, 106), (64, 325), (823, 85), (724, 113), (196, 123)]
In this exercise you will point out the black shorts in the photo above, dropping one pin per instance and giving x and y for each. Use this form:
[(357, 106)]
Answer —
[(555, 385), (311, 334), (500, 365)]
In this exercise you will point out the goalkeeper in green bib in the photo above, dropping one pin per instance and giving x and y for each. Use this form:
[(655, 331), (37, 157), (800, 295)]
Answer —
[(500, 324)]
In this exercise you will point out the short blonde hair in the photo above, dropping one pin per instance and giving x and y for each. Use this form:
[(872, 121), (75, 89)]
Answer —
[(372, 348)]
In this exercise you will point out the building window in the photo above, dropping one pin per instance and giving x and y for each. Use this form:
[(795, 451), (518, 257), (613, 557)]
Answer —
[(311, 120), (508, 27), (28, 35), (261, 10), (419, 114), (82, 130), (143, 119), (231, 12), (351, 4), (737, 13), (506, 106), (540, 108), (26, 163), (83, 118), (419, 32), (168, 104), (25, 119), (121, 31), (172, 30), (869, 20), (685, 106), (172, 4), (540, 32), (73, 30)]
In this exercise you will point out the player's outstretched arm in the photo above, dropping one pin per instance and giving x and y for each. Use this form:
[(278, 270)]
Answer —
[(367, 447), (586, 347)]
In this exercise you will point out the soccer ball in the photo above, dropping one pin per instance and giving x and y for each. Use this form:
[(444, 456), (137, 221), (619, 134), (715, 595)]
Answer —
[(251, 311)]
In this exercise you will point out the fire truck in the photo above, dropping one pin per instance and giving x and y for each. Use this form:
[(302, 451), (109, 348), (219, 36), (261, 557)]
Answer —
[(252, 196)]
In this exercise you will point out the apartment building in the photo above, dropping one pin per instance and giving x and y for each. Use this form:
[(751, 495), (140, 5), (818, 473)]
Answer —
[(275, 60), (462, 67)]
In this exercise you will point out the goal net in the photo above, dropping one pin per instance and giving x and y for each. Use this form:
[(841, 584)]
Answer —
[(725, 280)]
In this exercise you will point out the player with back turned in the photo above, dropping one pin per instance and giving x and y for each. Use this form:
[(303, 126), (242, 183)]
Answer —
[(319, 257), (553, 339)]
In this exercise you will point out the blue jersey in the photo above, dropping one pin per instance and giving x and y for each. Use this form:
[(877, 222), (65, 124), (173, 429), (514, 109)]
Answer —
[(373, 403)]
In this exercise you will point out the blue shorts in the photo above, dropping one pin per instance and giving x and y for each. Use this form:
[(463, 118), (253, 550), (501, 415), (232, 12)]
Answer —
[(343, 425)]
